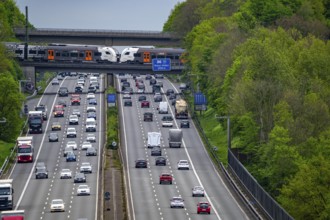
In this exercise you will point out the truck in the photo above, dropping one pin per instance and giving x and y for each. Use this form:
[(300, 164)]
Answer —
[(154, 139), (35, 120), (7, 194), (156, 88), (175, 137), (25, 149), (181, 109), (42, 108), (12, 215), (163, 108), (165, 178)]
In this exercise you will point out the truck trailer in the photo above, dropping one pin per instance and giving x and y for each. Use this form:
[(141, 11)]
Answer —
[(12, 215), (181, 109), (35, 119), (175, 137), (25, 151)]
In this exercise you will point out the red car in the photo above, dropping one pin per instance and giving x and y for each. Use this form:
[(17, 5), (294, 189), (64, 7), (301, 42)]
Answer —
[(75, 99), (145, 104), (58, 111), (203, 207)]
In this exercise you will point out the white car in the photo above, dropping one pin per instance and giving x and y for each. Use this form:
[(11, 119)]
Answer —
[(91, 138), (177, 202), (198, 191), (72, 144), (85, 145), (83, 190), (91, 109), (66, 174), (73, 120), (71, 132), (167, 124), (90, 96), (57, 205), (183, 165), (85, 167), (76, 111)]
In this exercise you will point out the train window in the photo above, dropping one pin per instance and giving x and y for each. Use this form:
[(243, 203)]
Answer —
[(97, 53), (58, 54), (65, 54), (107, 52), (81, 54), (137, 55), (41, 52), (32, 52), (170, 56), (127, 53), (18, 51), (73, 54)]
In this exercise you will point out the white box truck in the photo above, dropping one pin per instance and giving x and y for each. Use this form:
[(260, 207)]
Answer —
[(7, 194), (163, 108), (154, 139)]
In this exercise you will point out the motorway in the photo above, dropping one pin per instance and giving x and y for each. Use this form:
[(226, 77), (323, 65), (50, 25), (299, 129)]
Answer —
[(148, 199), (34, 195)]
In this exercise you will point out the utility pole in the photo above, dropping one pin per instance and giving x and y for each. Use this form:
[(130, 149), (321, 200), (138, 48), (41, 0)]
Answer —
[(26, 34)]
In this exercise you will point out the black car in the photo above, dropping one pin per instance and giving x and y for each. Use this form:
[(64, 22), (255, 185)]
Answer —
[(167, 118), (158, 98), (160, 161), (79, 178), (148, 116), (78, 89), (63, 91), (92, 101), (172, 96), (169, 92), (71, 157), (41, 173), (142, 98), (148, 77), (141, 163), (184, 124), (53, 137), (128, 103), (91, 115), (92, 89), (153, 81), (123, 80), (156, 151)]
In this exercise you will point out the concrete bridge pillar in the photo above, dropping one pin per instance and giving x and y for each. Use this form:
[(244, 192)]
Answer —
[(29, 74)]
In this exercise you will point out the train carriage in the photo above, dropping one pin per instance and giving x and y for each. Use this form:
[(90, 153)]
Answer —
[(145, 55)]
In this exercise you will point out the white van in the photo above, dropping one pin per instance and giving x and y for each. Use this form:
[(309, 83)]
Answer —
[(153, 139), (163, 108), (90, 125)]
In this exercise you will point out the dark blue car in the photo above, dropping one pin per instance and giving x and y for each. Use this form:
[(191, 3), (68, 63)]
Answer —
[(71, 157)]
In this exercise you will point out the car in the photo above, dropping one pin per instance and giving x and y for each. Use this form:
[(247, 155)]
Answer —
[(160, 161), (142, 98), (167, 124), (183, 165), (91, 138), (73, 120), (141, 163), (81, 81), (60, 77), (172, 96), (169, 92), (145, 104), (85, 145), (78, 89), (184, 124), (71, 157), (128, 102), (128, 91), (158, 98), (148, 77), (159, 76), (41, 173), (160, 84), (92, 89), (203, 207), (58, 111), (56, 126), (85, 167), (177, 202), (91, 151), (92, 102), (73, 74), (75, 99), (61, 102), (91, 115), (71, 133), (148, 116), (83, 190), (140, 91), (72, 144), (55, 81), (90, 109), (65, 174), (152, 81), (183, 86), (165, 178), (156, 151), (67, 150), (63, 91), (198, 191), (53, 137), (79, 178), (76, 111), (126, 96), (90, 96), (96, 85), (57, 205), (40, 165)]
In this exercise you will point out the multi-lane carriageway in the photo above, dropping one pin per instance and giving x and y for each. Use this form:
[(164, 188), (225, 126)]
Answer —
[(146, 198)]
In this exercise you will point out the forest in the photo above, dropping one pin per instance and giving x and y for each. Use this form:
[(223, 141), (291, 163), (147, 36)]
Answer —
[(266, 63)]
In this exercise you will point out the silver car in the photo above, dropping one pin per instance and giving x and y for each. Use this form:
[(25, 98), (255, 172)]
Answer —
[(177, 202), (86, 167), (198, 191), (66, 174)]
